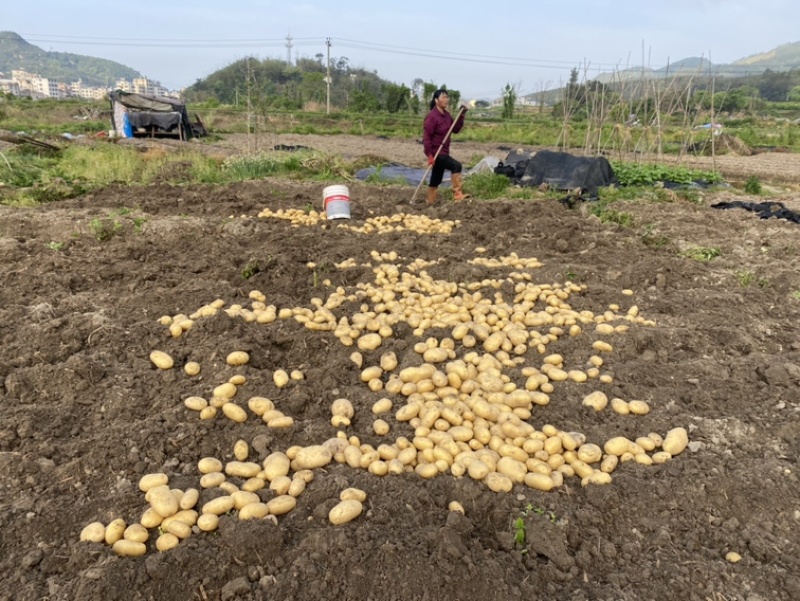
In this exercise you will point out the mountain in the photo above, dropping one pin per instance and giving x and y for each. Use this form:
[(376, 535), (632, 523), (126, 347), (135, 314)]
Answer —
[(16, 53), (785, 56)]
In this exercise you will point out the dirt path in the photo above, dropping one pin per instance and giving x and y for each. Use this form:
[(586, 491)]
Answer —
[(86, 414)]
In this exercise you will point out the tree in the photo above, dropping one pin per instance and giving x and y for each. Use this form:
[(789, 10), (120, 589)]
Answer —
[(509, 100)]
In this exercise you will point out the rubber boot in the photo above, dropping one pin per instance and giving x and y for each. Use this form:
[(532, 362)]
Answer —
[(458, 193), (431, 198)]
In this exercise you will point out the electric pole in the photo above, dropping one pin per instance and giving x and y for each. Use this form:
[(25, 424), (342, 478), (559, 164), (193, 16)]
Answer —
[(289, 49), (328, 77)]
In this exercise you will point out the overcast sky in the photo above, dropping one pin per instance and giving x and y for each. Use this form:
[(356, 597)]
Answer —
[(476, 47)]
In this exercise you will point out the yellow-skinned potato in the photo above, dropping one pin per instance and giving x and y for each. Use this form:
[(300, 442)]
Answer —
[(284, 421), (195, 403), (280, 378), (384, 405), (276, 464), (227, 390), (219, 505), (254, 511), (162, 500), (208, 465), (212, 480), (353, 493), (539, 481), (260, 405), (241, 450), (345, 511), (180, 529), (498, 482), (237, 358), (208, 522), (590, 453), (676, 441), (597, 400), (342, 407), (136, 533), (187, 516), (455, 506), (296, 487), (639, 407), (242, 469), (192, 368), (311, 457), (149, 481), (167, 541), (127, 548), (162, 360), (114, 531), (280, 485), (94, 533), (234, 413), (596, 477), (512, 468), (620, 406), (618, 446), (369, 342), (281, 505)]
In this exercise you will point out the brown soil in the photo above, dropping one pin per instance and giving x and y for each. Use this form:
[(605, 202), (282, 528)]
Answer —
[(85, 414)]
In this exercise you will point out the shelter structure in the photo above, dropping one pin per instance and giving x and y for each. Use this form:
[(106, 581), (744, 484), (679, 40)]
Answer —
[(139, 115)]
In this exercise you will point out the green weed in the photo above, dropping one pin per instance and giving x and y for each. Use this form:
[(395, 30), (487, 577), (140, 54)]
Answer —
[(796, 295), (753, 185), (653, 239), (701, 253), (250, 269), (607, 215), (487, 186), (104, 229), (55, 246)]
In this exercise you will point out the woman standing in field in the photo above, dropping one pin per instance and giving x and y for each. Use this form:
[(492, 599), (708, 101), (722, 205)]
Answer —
[(436, 134)]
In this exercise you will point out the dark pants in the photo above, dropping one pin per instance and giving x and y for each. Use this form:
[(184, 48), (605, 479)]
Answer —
[(443, 162)]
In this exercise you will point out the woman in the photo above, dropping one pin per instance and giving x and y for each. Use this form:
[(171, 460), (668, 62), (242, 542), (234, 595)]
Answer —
[(435, 133)]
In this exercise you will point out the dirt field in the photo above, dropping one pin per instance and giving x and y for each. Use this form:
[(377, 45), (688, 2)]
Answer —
[(85, 413)]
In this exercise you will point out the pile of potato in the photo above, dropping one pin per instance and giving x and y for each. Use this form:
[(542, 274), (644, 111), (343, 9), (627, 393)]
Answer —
[(463, 406)]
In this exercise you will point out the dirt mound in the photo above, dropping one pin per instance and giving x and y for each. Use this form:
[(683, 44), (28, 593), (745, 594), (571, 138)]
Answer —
[(86, 414)]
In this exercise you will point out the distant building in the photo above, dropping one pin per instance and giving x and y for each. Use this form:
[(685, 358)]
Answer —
[(23, 83)]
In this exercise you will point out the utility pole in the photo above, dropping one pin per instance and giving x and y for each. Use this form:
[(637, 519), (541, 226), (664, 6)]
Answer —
[(328, 76)]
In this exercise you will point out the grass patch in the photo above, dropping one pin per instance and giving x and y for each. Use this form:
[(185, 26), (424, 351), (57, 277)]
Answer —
[(753, 185), (104, 229), (648, 174), (701, 253), (487, 186)]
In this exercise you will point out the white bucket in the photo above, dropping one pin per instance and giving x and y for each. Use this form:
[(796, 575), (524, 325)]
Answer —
[(336, 202)]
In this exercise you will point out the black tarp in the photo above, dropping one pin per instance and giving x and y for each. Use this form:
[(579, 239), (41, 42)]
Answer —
[(559, 170), (158, 114), (765, 210)]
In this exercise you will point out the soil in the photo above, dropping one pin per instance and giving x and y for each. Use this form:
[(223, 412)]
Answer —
[(85, 413)]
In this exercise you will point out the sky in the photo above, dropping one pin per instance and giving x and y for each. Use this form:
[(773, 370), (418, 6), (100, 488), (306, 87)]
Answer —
[(471, 46)]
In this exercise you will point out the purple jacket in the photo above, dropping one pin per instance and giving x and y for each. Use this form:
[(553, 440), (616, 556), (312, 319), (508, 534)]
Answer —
[(435, 129)]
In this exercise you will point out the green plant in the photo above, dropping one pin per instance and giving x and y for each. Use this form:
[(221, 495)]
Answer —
[(701, 253), (250, 269), (752, 185), (647, 174), (607, 215), (796, 295), (487, 186), (104, 229), (138, 222), (55, 246), (519, 533), (745, 278), (652, 239)]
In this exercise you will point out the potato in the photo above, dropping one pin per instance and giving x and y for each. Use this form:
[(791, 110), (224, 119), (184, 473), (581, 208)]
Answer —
[(127, 548), (369, 342), (167, 541), (187, 516), (218, 506), (195, 403), (149, 481), (242, 469), (342, 407), (596, 477), (618, 446), (455, 506), (234, 413), (539, 481), (208, 413), (661, 457), (180, 529), (345, 511), (498, 482), (254, 511), (384, 405), (283, 421), (242, 498), (380, 427), (620, 406), (241, 450), (353, 493), (312, 457), (237, 358), (280, 377), (136, 533), (597, 400), (275, 464), (225, 391), (260, 405), (192, 368), (208, 465), (281, 505), (639, 407), (94, 533), (162, 360), (237, 380), (162, 500), (676, 441), (208, 522), (590, 453)]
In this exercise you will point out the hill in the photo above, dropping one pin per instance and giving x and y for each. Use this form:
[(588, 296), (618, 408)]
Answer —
[(16, 53)]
